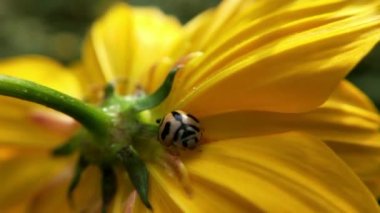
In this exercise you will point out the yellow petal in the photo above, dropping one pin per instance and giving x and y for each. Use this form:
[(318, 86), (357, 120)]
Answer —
[(374, 186), (86, 196), (27, 123), (91, 83), (24, 174), (43, 71), (52, 196), (106, 52), (348, 122), (364, 159), (124, 45), (347, 116), (157, 36), (288, 60), (209, 26), (279, 173)]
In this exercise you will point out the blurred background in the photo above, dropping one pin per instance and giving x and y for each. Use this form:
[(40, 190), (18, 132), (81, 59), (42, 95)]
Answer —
[(56, 28)]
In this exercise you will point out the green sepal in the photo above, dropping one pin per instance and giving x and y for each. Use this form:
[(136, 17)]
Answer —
[(68, 147), (80, 167), (109, 91), (137, 171), (109, 186), (150, 101)]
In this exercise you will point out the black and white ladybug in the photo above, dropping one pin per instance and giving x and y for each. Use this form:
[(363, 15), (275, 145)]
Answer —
[(180, 129)]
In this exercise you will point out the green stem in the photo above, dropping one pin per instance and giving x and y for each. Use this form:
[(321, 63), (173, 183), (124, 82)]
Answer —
[(94, 119)]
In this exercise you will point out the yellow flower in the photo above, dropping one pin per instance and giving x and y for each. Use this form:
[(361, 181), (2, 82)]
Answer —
[(264, 79)]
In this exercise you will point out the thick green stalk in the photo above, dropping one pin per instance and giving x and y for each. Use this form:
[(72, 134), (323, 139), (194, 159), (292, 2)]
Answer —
[(94, 119)]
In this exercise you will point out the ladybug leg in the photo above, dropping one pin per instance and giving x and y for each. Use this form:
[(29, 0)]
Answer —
[(172, 150), (178, 170)]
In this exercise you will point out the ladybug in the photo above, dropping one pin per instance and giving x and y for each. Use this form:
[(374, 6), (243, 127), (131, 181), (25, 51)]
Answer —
[(180, 129)]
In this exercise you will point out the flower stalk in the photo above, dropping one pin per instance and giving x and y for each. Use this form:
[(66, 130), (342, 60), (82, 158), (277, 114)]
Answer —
[(92, 118)]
